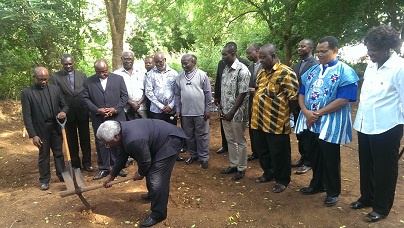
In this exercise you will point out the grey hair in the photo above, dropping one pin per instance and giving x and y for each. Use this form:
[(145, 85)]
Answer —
[(108, 130), (128, 51)]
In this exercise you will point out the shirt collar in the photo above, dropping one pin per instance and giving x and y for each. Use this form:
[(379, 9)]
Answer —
[(390, 63), (332, 63), (306, 59)]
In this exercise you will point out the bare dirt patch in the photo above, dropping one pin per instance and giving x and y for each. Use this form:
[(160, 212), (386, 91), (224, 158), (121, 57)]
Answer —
[(198, 198)]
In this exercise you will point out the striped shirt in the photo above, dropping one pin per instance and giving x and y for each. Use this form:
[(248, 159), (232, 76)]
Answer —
[(270, 108)]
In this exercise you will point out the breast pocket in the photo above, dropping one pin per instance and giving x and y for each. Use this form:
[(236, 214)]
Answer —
[(272, 90)]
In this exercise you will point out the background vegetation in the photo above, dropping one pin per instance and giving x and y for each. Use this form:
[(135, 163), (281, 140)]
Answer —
[(37, 32)]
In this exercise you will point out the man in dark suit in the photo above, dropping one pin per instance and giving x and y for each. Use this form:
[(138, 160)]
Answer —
[(252, 55), (307, 60), (218, 90), (105, 95), (41, 105), (155, 145), (70, 82)]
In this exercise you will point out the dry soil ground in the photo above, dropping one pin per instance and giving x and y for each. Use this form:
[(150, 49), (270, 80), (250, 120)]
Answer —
[(198, 198)]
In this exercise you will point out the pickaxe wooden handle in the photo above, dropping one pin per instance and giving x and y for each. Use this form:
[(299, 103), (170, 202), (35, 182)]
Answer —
[(79, 190)]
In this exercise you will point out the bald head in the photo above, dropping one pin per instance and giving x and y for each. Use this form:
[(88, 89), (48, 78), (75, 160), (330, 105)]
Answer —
[(40, 71), (268, 57), (101, 68), (41, 76), (160, 61)]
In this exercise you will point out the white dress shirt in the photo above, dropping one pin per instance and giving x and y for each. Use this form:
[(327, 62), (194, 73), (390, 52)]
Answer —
[(382, 97), (134, 84)]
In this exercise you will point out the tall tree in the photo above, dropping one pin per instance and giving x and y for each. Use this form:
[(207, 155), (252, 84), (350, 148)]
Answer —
[(116, 12)]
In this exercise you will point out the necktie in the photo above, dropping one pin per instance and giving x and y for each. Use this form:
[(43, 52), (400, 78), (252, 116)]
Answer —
[(71, 80)]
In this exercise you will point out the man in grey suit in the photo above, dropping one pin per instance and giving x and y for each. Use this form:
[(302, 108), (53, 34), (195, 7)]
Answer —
[(105, 95), (307, 60), (41, 105), (70, 82)]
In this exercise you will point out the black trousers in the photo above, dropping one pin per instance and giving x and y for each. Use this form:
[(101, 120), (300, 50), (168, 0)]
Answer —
[(158, 180), (51, 140), (224, 140), (300, 141), (274, 155), (326, 164), (83, 137), (378, 161), (169, 118)]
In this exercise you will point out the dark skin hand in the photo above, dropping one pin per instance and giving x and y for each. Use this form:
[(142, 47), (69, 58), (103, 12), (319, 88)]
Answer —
[(106, 112), (229, 116), (37, 141), (110, 178)]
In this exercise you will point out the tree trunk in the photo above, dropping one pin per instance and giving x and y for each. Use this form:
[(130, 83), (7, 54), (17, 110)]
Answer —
[(116, 12)]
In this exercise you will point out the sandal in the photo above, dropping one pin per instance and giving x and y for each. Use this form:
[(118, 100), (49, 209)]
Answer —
[(278, 188)]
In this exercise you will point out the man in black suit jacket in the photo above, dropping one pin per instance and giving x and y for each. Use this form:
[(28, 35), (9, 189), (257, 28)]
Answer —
[(105, 95), (41, 105), (254, 68), (70, 82), (307, 61), (218, 90), (155, 145)]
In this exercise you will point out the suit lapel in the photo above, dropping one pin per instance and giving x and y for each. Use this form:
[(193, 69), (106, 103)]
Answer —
[(98, 83), (66, 82)]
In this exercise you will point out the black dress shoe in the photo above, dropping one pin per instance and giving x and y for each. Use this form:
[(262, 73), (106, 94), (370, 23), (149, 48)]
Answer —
[(374, 217), (122, 173), (44, 186), (252, 157), (101, 174), (229, 170), (150, 222), (238, 175), (303, 169), (191, 160), (178, 159), (221, 150), (298, 163), (204, 164), (145, 197), (359, 205), (184, 149), (263, 179), (311, 191), (330, 201), (88, 168)]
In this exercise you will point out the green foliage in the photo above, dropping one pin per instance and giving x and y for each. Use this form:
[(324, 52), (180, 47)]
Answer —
[(37, 32)]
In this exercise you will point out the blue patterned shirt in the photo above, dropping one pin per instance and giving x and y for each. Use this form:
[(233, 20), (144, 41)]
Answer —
[(321, 86), (160, 88)]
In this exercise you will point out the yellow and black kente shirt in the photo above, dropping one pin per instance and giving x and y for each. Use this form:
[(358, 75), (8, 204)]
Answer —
[(270, 108)]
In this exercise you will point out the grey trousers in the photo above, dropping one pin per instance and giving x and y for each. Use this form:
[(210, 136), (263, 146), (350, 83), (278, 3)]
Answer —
[(237, 143), (196, 128)]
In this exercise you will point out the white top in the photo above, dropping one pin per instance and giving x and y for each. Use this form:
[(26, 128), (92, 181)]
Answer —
[(134, 84), (103, 82), (382, 97)]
